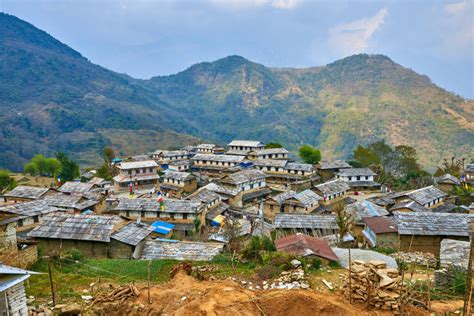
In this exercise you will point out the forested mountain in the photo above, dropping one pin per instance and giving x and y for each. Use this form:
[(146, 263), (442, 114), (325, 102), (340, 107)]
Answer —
[(52, 98)]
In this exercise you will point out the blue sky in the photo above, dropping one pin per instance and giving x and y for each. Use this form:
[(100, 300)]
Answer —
[(149, 38)]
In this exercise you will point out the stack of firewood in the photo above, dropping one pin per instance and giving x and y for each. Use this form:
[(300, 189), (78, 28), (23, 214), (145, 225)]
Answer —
[(119, 294), (374, 284)]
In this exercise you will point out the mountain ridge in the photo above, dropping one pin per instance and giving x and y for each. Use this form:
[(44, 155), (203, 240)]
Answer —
[(62, 101)]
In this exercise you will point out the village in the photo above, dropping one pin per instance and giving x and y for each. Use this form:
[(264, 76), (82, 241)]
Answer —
[(247, 215)]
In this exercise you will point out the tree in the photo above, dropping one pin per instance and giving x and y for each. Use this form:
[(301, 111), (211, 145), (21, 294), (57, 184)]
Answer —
[(273, 145), (109, 155), (69, 168), (40, 163), (104, 173), (231, 232), (454, 167), (406, 160), (52, 167), (309, 154), (31, 169), (7, 183), (365, 157), (344, 220)]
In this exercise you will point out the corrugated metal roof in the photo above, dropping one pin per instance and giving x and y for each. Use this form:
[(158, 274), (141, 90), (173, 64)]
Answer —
[(303, 245), (381, 224), (161, 227)]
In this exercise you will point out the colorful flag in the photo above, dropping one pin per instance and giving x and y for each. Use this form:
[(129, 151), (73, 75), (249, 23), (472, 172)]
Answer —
[(131, 187), (160, 200), (59, 181)]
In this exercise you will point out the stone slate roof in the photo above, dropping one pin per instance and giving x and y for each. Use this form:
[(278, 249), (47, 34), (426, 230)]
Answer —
[(207, 146), (139, 177), (132, 233), (270, 151), (354, 172), (308, 221), (335, 164), (303, 245), (469, 167), (362, 183), (282, 197), (306, 197), (237, 152), (29, 192), (152, 205), (218, 210), (362, 209), (299, 166), (447, 179), (177, 175), (218, 158), (386, 198), (76, 227), (180, 250), (137, 164), (433, 224), (425, 195), (63, 200), (243, 176), (203, 195), (73, 186), (180, 163), (262, 192), (29, 209), (270, 163), (411, 205), (444, 208), (246, 143), (332, 187)]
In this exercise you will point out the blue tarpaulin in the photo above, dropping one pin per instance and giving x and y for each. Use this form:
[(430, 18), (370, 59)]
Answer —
[(161, 227)]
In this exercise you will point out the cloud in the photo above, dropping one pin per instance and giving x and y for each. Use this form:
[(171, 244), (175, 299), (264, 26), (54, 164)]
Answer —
[(249, 4), (457, 28), (456, 7), (354, 37)]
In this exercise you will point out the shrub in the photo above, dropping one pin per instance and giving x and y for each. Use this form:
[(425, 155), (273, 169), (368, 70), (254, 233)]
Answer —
[(334, 264), (316, 264), (267, 272), (75, 254), (458, 284)]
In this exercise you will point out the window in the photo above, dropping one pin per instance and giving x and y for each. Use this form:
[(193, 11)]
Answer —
[(35, 219), (185, 216)]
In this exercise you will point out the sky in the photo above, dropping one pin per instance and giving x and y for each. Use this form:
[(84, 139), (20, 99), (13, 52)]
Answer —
[(151, 38)]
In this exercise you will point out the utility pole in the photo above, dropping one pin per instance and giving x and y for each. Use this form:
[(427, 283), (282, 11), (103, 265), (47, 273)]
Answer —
[(468, 295), (51, 280), (148, 279)]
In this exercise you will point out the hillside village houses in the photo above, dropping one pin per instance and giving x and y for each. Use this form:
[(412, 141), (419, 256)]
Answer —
[(203, 186)]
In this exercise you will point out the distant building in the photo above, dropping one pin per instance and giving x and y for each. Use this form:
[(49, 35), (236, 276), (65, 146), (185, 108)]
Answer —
[(359, 179), (327, 169), (139, 173), (165, 157), (243, 147), (468, 174), (215, 163), (176, 183), (180, 165), (429, 197), (269, 153), (24, 193), (210, 149), (288, 175), (332, 191), (447, 182)]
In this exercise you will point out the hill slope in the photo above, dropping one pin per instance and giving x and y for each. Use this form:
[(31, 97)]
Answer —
[(52, 98)]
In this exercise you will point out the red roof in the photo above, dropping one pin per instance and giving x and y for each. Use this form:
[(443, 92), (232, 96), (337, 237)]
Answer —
[(304, 245), (381, 224)]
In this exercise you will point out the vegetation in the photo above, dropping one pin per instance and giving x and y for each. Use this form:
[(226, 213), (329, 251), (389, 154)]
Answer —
[(69, 168), (273, 145), (7, 183), (309, 154), (352, 101), (42, 166), (344, 220), (454, 167), (257, 246), (107, 170)]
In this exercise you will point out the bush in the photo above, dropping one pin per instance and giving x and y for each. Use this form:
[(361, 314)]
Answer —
[(316, 264), (267, 272), (75, 254), (458, 284), (334, 264), (256, 246)]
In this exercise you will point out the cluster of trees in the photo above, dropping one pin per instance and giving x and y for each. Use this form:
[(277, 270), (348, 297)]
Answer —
[(7, 183), (107, 170), (59, 165), (309, 154), (395, 167)]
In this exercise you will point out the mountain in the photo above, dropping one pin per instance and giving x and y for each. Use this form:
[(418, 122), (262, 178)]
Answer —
[(54, 99)]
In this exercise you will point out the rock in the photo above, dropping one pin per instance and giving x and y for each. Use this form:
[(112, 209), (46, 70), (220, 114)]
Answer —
[(59, 306), (87, 297), (243, 282), (295, 263), (184, 298), (72, 309), (265, 287)]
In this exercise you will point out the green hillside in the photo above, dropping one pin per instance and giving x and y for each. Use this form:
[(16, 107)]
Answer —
[(52, 98)]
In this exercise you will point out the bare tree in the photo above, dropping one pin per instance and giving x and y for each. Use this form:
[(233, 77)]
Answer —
[(344, 220)]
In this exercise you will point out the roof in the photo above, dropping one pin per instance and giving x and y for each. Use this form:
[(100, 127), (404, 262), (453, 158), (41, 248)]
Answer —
[(10, 276), (63, 200), (138, 177), (332, 187), (354, 172), (29, 192), (177, 175), (152, 205), (132, 233), (363, 183), (361, 209), (203, 195), (218, 210), (305, 221), (381, 224), (282, 197), (73, 186), (137, 164), (244, 176), (180, 250), (303, 245), (270, 151), (334, 164), (246, 143), (426, 194), (218, 158), (433, 224), (448, 179), (411, 205), (76, 227), (306, 197), (207, 146), (270, 163), (469, 167), (299, 166), (386, 199), (32, 208), (171, 153), (161, 227), (262, 192)]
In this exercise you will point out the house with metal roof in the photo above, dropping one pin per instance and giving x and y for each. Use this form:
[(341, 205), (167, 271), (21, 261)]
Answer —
[(360, 179), (176, 183), (308, 224), (138, 173), (23, 193), (12, 290), (305, 246), (424, 231), (380, 231)]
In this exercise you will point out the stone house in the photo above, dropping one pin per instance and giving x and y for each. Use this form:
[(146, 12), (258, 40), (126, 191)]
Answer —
[(304, 202), (176, 183), (140, 173), (380, 231), (447, 182), (29, 214), (74, 202), (180, 165), (165, 157), (274, 204), (468, 174), (284, 175), (215, 163), (12, 290), (359, 179), (430, 197), (208, 199), (424, 231), (332, 191), (269, 153), (24, 193), (212, 149), (128, 241), (327, 169), (243, 147)]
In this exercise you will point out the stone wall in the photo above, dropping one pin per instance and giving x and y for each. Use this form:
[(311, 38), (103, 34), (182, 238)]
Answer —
[(454, 252), (16, 300), (27, 257), (8, 244)]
